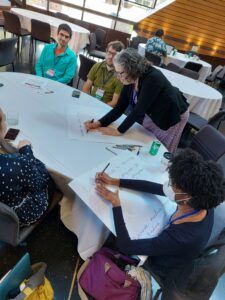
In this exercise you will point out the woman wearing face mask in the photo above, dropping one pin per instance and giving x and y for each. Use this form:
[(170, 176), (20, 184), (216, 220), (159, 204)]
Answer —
[(150, 99), (197, 186)]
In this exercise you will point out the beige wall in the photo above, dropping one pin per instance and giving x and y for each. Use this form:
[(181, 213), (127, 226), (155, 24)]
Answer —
[(188, 22)]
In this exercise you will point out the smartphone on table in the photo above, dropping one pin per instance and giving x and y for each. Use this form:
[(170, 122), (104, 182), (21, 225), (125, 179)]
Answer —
[(11, 134), (76, 94)]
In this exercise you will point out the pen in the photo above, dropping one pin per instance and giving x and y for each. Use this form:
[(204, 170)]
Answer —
[(105, 168), (90, 122), (139, 151), (110, 151)]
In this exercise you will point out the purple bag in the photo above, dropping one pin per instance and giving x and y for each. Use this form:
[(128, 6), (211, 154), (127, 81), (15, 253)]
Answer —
[(103, 279)]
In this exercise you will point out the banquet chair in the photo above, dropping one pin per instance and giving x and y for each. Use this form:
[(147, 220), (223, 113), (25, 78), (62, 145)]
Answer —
[(8, 51), (12, 24), (40, 31), (154, 59), (212, 77), (221, 75), (91, 48), (189, 73), (2, 22), (13, 234), (193, 66), (173, 67), (135, 41), (210, 143), (85, 66), (100, 38), (62, 16), (201, 282)]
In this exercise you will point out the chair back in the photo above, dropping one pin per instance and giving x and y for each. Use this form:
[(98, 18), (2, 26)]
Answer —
[(215, 72), (193, 66), (40, 31), (136, 41), (21, 271), (93, 41), (207, 271), (7, 51), (172, 67), (100, 37), (189, 73), (12, 23), (62, 16), (209, 142), (221, 74), (155, 59), (217, 119), (85, 66)]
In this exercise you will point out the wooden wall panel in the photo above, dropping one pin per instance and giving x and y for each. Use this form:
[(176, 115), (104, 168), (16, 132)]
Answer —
[(190, 22)]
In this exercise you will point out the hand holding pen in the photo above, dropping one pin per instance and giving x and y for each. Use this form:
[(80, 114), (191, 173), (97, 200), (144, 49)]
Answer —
[(91, 124)]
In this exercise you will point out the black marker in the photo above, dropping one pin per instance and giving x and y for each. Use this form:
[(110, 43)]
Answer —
[(105, 168)]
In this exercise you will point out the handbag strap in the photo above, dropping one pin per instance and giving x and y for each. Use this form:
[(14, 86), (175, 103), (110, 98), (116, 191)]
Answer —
[(34, 281), (7, 146), (81, 292)]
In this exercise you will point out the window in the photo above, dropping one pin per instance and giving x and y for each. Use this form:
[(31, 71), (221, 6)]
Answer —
[(42, 4)]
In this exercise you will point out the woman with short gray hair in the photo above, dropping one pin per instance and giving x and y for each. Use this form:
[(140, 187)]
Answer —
[(151, 99)]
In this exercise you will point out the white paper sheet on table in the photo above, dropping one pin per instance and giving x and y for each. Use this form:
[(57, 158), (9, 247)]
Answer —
[(78, 114), (38, 85), (145, 214)]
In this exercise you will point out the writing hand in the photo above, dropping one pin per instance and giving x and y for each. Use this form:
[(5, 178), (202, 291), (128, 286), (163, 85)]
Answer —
[(109, 131), (106, 179), (91, 125), (112, 197)]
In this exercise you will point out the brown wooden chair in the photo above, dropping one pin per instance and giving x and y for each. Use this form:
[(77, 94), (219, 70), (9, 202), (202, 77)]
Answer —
[(189, 73), (12, 24), (40, 31)]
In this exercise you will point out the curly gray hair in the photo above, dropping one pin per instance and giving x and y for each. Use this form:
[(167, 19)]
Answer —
[(133, 63)]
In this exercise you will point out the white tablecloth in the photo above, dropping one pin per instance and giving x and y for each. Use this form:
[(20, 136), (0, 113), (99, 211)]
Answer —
[(43, 121), (203, 99), (181, 59), (79, 37)]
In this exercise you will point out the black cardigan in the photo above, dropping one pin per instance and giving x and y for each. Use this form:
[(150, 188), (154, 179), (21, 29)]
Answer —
[(156, 97)]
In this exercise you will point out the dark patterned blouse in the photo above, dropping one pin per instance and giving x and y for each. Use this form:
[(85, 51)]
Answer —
[(24, 185)]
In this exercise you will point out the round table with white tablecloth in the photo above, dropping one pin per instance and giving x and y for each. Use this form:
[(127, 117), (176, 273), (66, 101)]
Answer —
[(203, 99), (45, 108), (80, 35), (181, 59)]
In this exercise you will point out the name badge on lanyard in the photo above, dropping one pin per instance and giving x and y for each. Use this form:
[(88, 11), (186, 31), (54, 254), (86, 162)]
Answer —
[(99, 93), (50, 72)]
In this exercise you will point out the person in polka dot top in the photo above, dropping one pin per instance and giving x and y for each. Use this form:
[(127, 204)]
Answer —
[(24, 182)]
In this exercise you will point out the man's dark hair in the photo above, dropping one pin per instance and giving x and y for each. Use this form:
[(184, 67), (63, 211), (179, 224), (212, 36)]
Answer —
[(202, 180), (66, 28), (159, 33), (116, 45)]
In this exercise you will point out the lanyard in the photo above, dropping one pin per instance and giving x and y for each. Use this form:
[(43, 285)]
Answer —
[(106, 77), (133, 98), (183, 216)]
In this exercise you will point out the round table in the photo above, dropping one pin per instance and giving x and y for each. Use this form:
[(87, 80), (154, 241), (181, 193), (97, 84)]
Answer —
[(181, 59), (203, 99), (80, 36), (43, 119)]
